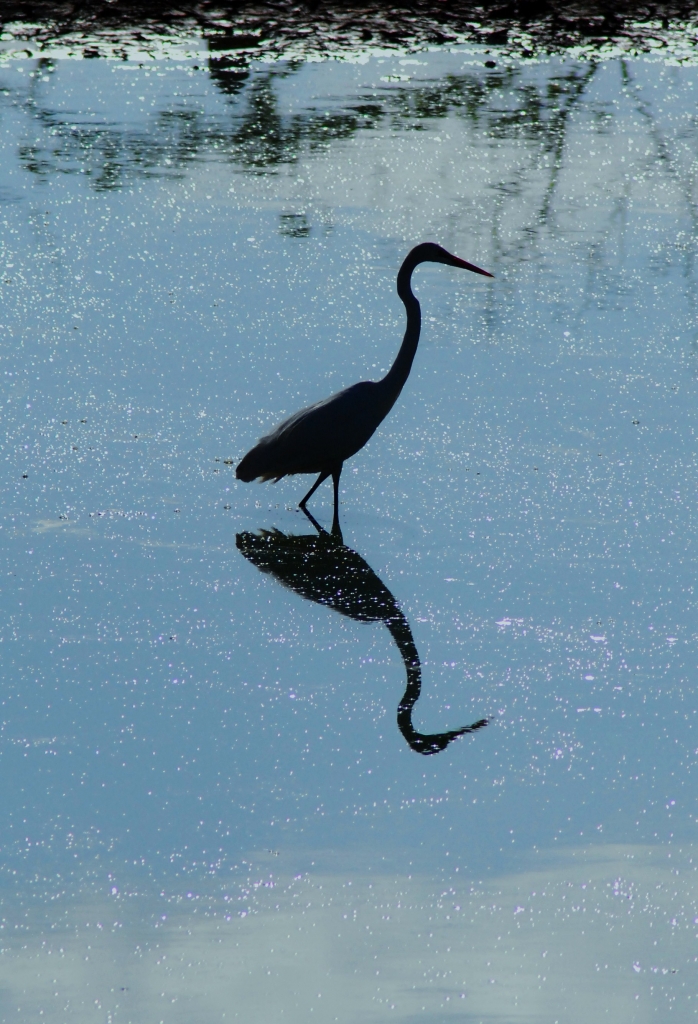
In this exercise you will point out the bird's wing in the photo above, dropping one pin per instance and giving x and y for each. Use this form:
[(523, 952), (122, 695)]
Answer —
[(316, 438)]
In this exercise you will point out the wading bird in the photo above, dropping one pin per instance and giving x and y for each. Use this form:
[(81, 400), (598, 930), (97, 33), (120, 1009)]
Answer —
[(322, 437)]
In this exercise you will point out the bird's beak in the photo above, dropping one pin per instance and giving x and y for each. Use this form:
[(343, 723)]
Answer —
[(470, 266)]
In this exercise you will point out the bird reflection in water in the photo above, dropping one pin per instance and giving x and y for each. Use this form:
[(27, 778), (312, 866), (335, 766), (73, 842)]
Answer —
[(321, 568)]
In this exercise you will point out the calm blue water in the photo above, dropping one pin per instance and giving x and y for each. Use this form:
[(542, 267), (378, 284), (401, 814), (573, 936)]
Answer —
[(209, 812)]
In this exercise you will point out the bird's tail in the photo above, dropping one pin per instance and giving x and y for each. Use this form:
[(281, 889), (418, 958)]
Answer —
[(257, 465)]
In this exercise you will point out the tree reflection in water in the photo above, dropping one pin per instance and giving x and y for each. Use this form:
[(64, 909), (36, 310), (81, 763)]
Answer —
[(257, 136), (321, 568)]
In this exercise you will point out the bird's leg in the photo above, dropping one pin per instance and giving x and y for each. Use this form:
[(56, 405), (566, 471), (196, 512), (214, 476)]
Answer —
[(336, 473), (311, 492), (309, 515)]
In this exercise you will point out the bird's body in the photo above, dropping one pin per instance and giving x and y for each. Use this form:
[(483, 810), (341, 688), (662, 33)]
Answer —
[(316, 438), (320, 438)]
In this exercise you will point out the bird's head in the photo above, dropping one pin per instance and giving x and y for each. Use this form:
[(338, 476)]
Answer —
[(430, 252)]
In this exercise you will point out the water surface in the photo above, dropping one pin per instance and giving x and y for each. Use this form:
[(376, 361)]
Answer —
[(211, 810)]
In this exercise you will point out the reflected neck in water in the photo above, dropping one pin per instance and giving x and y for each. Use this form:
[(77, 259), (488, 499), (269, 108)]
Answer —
[(321, 568)]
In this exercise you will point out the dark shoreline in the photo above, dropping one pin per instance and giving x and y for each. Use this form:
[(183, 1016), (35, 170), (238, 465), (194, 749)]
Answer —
[(241, 31)]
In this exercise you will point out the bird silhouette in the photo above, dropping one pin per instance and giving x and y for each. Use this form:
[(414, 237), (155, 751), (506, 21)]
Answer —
[(322, 437), (322, 568)]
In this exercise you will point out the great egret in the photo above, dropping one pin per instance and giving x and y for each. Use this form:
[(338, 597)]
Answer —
[(322, 437)]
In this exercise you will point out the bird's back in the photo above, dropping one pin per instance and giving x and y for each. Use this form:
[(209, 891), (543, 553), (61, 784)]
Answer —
[(318, 438)]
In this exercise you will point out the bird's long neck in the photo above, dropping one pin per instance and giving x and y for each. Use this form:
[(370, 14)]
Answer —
[(394, 381)]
